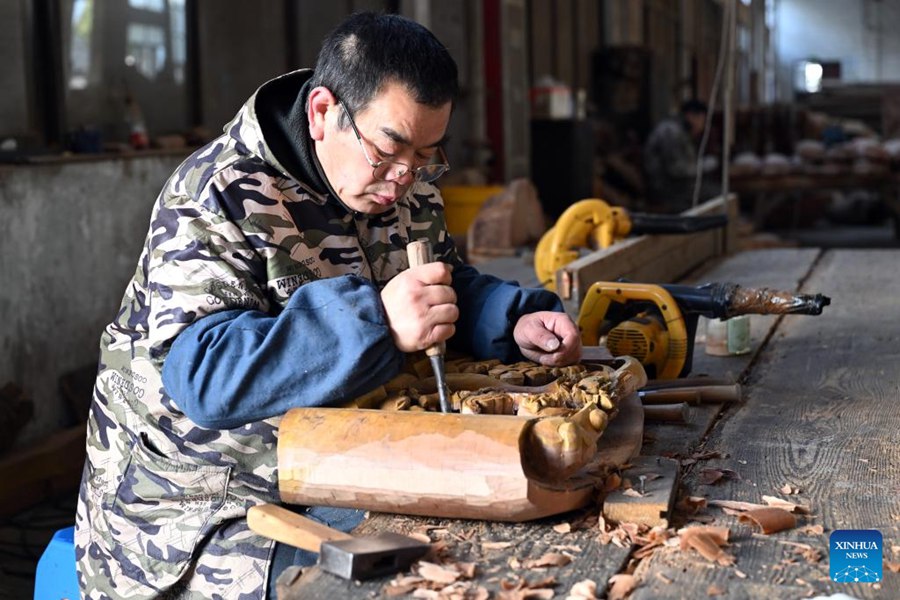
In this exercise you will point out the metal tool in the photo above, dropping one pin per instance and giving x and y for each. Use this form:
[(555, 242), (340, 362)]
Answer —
[(592, 223), (419, 253), (695, 394), (339, 553), (656, 323)]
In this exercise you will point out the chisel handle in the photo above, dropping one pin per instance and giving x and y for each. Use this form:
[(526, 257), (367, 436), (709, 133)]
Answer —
[(673, 396), (288, 527), (670, 413), (704, 393), (419, 253)]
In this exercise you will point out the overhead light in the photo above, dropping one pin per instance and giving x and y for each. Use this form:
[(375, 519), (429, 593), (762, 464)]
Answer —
[(808, 76)]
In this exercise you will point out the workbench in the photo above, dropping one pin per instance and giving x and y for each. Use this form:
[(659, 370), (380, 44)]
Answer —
[(820, 418)]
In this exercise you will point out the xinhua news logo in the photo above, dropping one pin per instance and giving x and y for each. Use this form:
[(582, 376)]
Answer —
[(855, 555)]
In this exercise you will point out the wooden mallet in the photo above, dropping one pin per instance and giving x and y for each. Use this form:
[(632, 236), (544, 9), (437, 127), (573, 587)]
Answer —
[(339, 553)]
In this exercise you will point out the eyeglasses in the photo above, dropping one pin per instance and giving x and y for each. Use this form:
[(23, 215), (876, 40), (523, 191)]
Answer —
[(390, 170)]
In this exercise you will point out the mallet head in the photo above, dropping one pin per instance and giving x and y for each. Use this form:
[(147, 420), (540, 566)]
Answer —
[(372, 556)]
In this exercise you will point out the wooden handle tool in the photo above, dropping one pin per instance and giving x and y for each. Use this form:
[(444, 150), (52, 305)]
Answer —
[(704, 394), (670, 413), (288, 527), (339, 553), (419, 253)]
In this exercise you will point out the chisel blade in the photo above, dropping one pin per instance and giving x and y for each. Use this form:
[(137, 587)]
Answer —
[(440, 379)]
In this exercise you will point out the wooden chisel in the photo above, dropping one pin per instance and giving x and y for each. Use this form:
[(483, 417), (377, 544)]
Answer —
[(419, 253), (695, 394)]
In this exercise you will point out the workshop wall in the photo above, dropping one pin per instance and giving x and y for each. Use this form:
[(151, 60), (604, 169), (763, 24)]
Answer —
[(70, 237), (230, 31), (13, 105), (861, 35)]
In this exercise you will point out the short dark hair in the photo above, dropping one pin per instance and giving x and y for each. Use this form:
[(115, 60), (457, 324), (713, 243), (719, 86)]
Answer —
[(369, 49), (694, 106)]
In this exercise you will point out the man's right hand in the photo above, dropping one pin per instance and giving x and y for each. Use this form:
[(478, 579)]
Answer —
[(421, 306)]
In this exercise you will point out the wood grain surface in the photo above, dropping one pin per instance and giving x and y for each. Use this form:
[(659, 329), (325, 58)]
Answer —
[(820, 413)]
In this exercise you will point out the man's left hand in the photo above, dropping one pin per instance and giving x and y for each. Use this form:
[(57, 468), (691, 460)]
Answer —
[(548, 338)]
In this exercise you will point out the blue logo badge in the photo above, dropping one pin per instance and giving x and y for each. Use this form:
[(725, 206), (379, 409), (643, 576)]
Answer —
[(855, 555)]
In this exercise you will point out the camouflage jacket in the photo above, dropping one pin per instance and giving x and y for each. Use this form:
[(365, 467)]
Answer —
[(162, 506)]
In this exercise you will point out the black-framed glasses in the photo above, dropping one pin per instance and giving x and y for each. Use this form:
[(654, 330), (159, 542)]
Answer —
[(391, 170)]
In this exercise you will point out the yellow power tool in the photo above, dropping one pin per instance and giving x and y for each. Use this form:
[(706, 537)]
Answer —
[(594, 224), (656, 324)]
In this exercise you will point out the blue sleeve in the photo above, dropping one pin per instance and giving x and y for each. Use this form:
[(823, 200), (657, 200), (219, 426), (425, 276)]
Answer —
[(489, 309), (329, 345)]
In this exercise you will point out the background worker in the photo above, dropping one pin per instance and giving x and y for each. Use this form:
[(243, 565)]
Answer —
[(274, 275), (670, 161)]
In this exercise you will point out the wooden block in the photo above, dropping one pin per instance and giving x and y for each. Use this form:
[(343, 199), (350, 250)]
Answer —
[(654, 506)]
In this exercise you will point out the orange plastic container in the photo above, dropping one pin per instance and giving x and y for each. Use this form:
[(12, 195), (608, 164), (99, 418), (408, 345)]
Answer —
[(462, 203)]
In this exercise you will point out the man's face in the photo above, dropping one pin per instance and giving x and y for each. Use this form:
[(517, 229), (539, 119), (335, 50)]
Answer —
[(696, 122), (393, 127)]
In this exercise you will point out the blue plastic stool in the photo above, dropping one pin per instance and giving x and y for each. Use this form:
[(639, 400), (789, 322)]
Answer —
[(56, 578)]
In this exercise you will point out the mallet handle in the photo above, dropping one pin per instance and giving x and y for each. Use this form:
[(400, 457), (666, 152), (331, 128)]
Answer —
[(288, 527)]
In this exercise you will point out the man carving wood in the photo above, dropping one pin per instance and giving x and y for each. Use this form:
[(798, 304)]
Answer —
[(274, 275)]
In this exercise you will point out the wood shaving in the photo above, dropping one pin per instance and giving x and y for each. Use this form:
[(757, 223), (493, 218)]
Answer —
[(526, 590), (740, 574), (708, 541), (770, 519), (788, 489), (586, 589), (620, 585), (402, 586), (538, 594), (715, 590), (810, 555), (654, 539), (711, 476), (438, 548), (787, 505), (562, 528), (734, 504), (632, 493), (551, 559), (812, 530), (422, 537), (737, 505), (467, 569), (692, 504), (437, 573), (495, 545), (479, 593), (663, 578)]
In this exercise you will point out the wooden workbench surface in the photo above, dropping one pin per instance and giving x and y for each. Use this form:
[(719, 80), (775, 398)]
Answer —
[(820, 415)]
